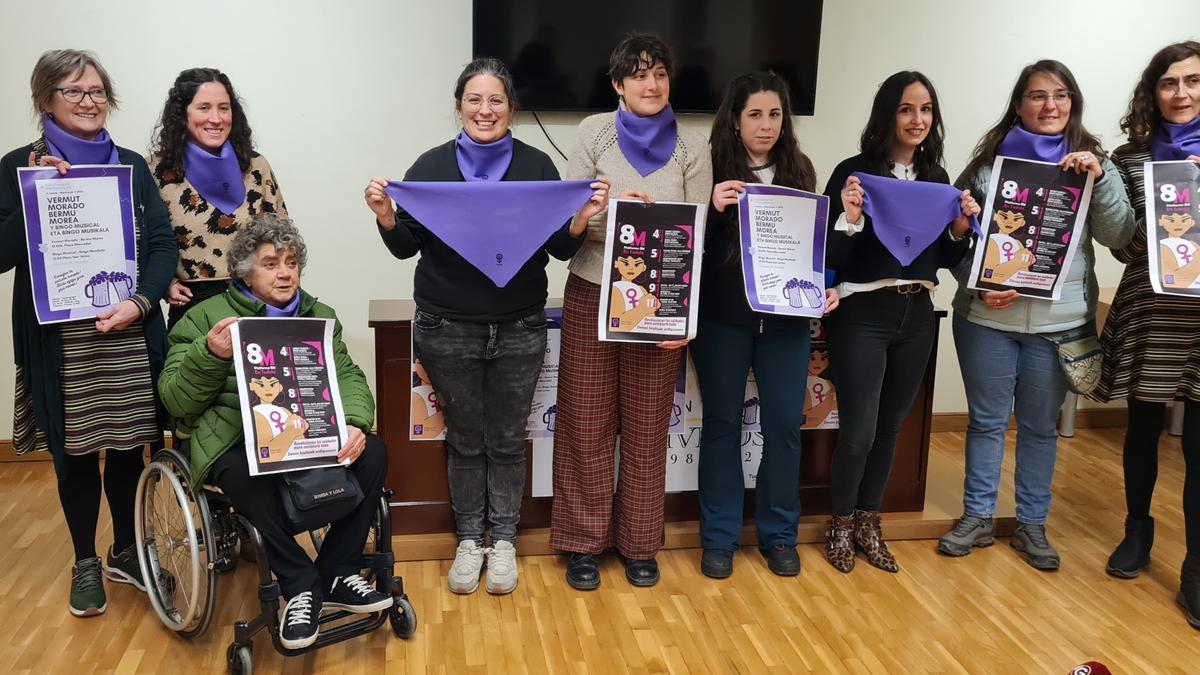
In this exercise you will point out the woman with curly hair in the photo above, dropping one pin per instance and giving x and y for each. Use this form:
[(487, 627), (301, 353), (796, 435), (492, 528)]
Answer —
[(210, 178), (1152, 341)]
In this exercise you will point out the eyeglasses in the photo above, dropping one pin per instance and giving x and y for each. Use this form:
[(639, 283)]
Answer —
[(474, 102), (73, 95), (1040, 97)]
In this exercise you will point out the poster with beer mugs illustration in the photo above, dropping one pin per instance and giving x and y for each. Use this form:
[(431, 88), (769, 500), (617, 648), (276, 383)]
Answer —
[(287, 383), (782, 241), (1172, 238)]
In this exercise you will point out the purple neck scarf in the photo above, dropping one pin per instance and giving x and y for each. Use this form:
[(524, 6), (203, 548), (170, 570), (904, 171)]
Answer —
[(218, 178), (290, 309), (496, 226), (1023, 144), (483, 161), (647, 142), (76, 150), (908, 216), (1170, 142)]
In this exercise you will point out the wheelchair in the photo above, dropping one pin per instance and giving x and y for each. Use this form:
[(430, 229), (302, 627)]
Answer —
[(186, 537)]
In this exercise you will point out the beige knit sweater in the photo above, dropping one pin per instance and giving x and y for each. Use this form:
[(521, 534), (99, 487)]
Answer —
[(687, 177)]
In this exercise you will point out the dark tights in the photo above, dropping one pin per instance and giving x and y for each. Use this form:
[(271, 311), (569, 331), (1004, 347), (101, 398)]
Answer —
[(1140, 459), (79, 493)]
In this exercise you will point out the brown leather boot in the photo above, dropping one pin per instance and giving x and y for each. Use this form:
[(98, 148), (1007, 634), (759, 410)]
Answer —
[(839, 543), (868, 537)]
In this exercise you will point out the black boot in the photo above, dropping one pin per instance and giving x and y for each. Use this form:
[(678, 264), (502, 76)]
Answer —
[(1133, 553), (1189, 590)]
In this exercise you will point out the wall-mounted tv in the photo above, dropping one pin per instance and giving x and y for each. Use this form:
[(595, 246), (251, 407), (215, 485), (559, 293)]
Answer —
[(558, 49)]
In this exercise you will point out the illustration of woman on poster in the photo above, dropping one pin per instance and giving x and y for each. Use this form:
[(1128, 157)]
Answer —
[(1180, 267), (276, 427), (631, 302), (425, 412), (1006, 255), (819, 397)]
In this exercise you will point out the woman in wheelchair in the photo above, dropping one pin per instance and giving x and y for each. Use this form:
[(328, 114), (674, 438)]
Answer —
[(198, 387)]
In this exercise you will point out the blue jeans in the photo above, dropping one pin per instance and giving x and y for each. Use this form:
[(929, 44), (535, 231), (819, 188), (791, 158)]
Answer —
[(1002, 372), (723, 355), (484, 375)]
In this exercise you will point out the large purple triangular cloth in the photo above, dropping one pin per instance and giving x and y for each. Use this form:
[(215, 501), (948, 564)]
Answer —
[(496, 225), (909, 215)]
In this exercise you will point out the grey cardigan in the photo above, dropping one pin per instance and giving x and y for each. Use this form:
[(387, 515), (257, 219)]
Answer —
[(1110, 221)]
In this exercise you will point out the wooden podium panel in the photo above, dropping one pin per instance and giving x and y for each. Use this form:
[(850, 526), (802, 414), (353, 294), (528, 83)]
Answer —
[(417, 469)]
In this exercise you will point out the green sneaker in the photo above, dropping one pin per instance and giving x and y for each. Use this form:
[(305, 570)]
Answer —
[(87, 588), (124, 568)]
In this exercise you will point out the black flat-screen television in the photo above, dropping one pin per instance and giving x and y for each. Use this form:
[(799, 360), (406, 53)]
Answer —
[(558, 50)]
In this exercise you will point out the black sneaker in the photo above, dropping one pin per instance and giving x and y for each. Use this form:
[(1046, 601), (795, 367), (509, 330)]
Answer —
[(298, 628), (353, 594), (716, 563), (124, 567), (783, 560)]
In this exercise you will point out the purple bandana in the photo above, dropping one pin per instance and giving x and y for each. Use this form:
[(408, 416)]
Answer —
[(907, 215), (1022, 144), (483, 161), (218, 178), (290, 309), (1175, 141), (76, 150), (497, 226), (647, 142)]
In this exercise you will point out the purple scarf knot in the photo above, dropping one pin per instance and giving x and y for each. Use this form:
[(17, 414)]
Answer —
[(483, 161), (909, 216), (290, 309), (218, 178), (75, 150), (1173, 142), (647, 142), (1023, 144)]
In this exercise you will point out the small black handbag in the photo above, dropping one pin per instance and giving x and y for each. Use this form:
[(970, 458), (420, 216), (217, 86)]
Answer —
[(313, 498)]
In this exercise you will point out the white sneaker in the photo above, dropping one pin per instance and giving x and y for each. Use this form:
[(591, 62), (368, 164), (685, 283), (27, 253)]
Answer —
[(464, 573), (501, 568)]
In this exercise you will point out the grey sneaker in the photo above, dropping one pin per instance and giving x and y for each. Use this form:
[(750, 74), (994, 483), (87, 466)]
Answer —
[(123, 567), (968, 531), (501, 568), (1030, 542), (87, 588), (464, 572)]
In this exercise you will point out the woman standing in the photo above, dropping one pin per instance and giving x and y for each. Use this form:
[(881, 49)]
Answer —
[(1151, 341), (210, 178), (752, 142), (1008, 364), (881, 338), (481, 345), (88, 386), (601, 385)]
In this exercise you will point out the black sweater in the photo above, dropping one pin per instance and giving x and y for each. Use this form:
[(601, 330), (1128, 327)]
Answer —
[(862, 258), (446, 284)]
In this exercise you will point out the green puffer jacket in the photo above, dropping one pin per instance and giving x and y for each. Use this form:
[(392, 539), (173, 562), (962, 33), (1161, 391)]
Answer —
[(200, 389)]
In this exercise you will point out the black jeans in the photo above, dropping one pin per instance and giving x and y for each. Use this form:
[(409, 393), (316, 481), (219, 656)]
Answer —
[(484, 375), (1140, 459), (879, 345), (258, 499)]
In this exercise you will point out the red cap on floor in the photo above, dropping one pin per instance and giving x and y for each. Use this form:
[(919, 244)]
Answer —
[(1091, 668)]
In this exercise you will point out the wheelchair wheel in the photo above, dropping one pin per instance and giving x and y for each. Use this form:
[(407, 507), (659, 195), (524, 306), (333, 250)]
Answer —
[(174, 542), (403, 617), (240, 659)]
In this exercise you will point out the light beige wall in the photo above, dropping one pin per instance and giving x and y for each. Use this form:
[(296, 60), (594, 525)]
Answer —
[(339, 92)]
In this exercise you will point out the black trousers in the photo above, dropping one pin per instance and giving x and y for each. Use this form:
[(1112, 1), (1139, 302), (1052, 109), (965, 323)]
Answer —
[(257, 498), (1140, 459), (879, 345)]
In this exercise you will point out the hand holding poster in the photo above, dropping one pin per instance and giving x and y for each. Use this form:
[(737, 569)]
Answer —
[(80, 238), (1172, 238), (291, 407), (651, 283), (1031, 221), (783, 249)]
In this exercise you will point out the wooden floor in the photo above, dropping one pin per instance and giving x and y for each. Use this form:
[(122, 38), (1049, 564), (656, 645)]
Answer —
[(987, 613)]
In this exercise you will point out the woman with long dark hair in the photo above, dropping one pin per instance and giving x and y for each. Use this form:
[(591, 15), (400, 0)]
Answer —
[(210, 178), (1008, 362), (1152, 341), (752, 142), (881, 337)]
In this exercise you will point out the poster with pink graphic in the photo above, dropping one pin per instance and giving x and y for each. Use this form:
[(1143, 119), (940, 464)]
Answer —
[(1032, 218), (287, 383), (651, 280), (1172, 238)]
